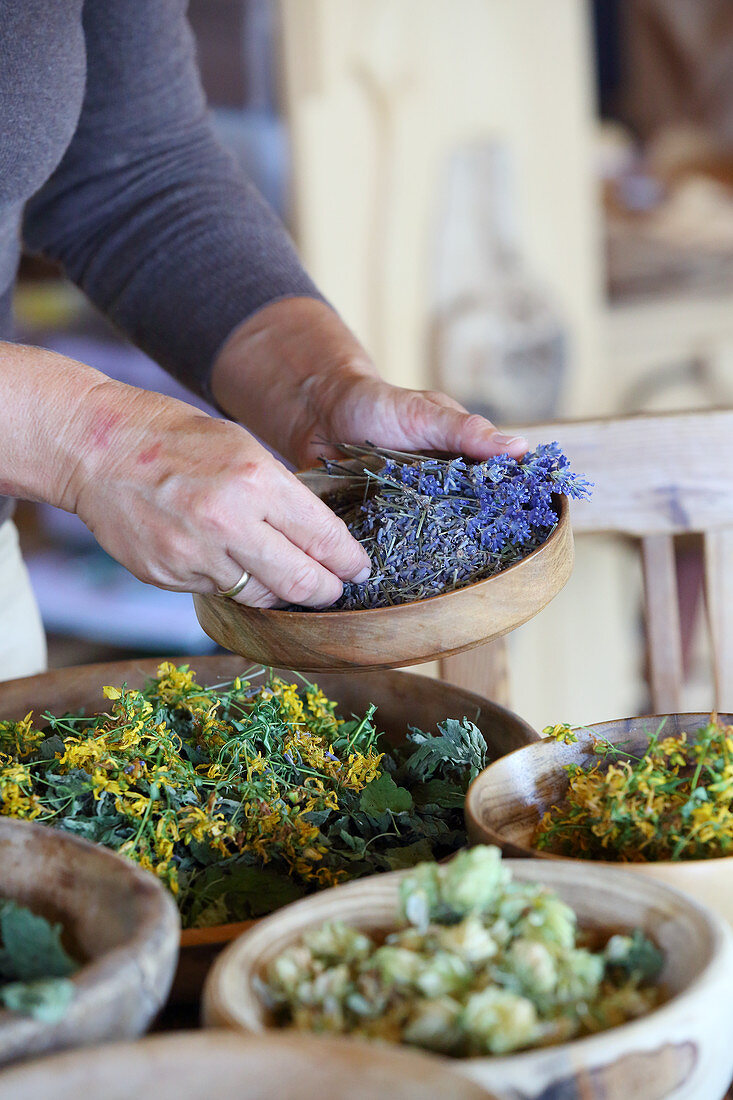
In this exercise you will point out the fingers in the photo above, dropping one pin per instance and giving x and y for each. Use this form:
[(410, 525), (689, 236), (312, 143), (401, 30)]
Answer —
[(254, 593), (413, 420), (280, 571), (306, 521), (446, 426)]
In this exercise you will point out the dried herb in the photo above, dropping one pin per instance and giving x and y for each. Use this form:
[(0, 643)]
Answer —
[(431, 525), (674, 802), (34, 965), (477, 965), (243, 796)]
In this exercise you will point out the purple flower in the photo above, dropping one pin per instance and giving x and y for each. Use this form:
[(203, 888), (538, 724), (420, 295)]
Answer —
[(431, 525)]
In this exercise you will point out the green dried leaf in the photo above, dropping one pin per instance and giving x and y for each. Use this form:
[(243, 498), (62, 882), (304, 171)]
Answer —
[(458, 745), (32, 945), (46, 1000), (441, 793), (400, 858), (382, 795)]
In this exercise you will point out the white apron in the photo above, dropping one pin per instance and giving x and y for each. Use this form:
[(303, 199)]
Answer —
[(22, 640)]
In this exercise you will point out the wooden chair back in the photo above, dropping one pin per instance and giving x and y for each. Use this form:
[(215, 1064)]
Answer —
[(655, 477)]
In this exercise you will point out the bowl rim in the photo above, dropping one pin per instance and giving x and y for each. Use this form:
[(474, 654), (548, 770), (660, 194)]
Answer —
[(493, 836), (721, 944), (226, 1041), (109, 671), (279, 614), (163, 916)]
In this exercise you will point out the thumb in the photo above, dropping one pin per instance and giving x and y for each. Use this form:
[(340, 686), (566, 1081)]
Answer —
[(448, 427)]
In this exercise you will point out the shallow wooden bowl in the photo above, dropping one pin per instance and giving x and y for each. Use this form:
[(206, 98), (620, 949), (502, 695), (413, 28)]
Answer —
[(683, 1048), (390, 637), (505, 803), (232, 1067), (403, 700), (117, 918)]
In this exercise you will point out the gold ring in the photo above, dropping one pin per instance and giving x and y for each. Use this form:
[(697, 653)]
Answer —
[(236, 588)]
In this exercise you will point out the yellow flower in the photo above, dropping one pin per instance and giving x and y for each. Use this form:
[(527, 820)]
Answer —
[(111, 693), (132, 804), (561, 732), (101, 782), (361, 769)]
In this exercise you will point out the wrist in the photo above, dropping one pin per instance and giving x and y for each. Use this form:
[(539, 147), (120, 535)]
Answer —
[(281, 368), (44, 398)]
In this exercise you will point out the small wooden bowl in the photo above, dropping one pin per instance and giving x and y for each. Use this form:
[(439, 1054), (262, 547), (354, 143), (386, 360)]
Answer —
[(390, 637), (117, 918), (403, 700), (506, 802), (682, 1048), (232, 1067)]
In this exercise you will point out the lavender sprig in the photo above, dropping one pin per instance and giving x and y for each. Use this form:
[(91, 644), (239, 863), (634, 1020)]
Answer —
[(431, 525)]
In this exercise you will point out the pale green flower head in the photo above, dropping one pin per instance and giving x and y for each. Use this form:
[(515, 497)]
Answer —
[(442, 974), (337, 941), (534, 965), (420, 894), (397, 965), (435, 1025), (473, 879), (497, 1021), (469, 939)]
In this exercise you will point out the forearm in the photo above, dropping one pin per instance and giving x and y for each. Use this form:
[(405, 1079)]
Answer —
[(147, 213), (42, 397)]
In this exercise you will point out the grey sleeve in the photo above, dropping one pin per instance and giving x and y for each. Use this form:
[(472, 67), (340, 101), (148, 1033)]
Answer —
[(146, 212)]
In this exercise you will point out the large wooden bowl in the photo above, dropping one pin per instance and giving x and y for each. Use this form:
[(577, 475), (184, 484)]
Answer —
[(390, 637), (685, 1045), (506, 802), (403, 700), (118, 920), (231, 1067)]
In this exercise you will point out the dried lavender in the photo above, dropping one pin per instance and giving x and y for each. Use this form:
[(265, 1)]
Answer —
[(431, 525)]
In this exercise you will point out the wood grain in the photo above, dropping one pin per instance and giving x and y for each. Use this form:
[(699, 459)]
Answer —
[(230, 1067), (654, 477), (411, 633), (661, 605), (684, 1049), (402, 699), (718, 551), (120, 921), (484, 669), (506, 802)]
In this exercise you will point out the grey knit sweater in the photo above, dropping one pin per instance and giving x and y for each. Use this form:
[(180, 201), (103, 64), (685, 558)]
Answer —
[(108, 164)]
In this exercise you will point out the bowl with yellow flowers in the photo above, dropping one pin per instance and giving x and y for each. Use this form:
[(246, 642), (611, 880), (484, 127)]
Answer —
[(243, 789), (650, 794), (533, 978)]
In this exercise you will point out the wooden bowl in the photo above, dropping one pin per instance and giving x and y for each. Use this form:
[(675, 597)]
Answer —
[(117, 918), (403, 699), (232, 1067), (389, 637), (682, 1048), (506, 802)]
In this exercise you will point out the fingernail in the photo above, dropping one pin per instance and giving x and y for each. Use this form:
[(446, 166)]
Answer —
[(364, 575), (507, 440)]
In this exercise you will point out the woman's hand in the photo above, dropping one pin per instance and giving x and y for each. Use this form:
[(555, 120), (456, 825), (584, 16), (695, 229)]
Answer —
[(297, 376), (184, 501), (187, 502)]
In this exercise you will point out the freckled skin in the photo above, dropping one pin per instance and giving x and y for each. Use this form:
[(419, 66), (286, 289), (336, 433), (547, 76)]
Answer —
[(103, 428), (149, 455)]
